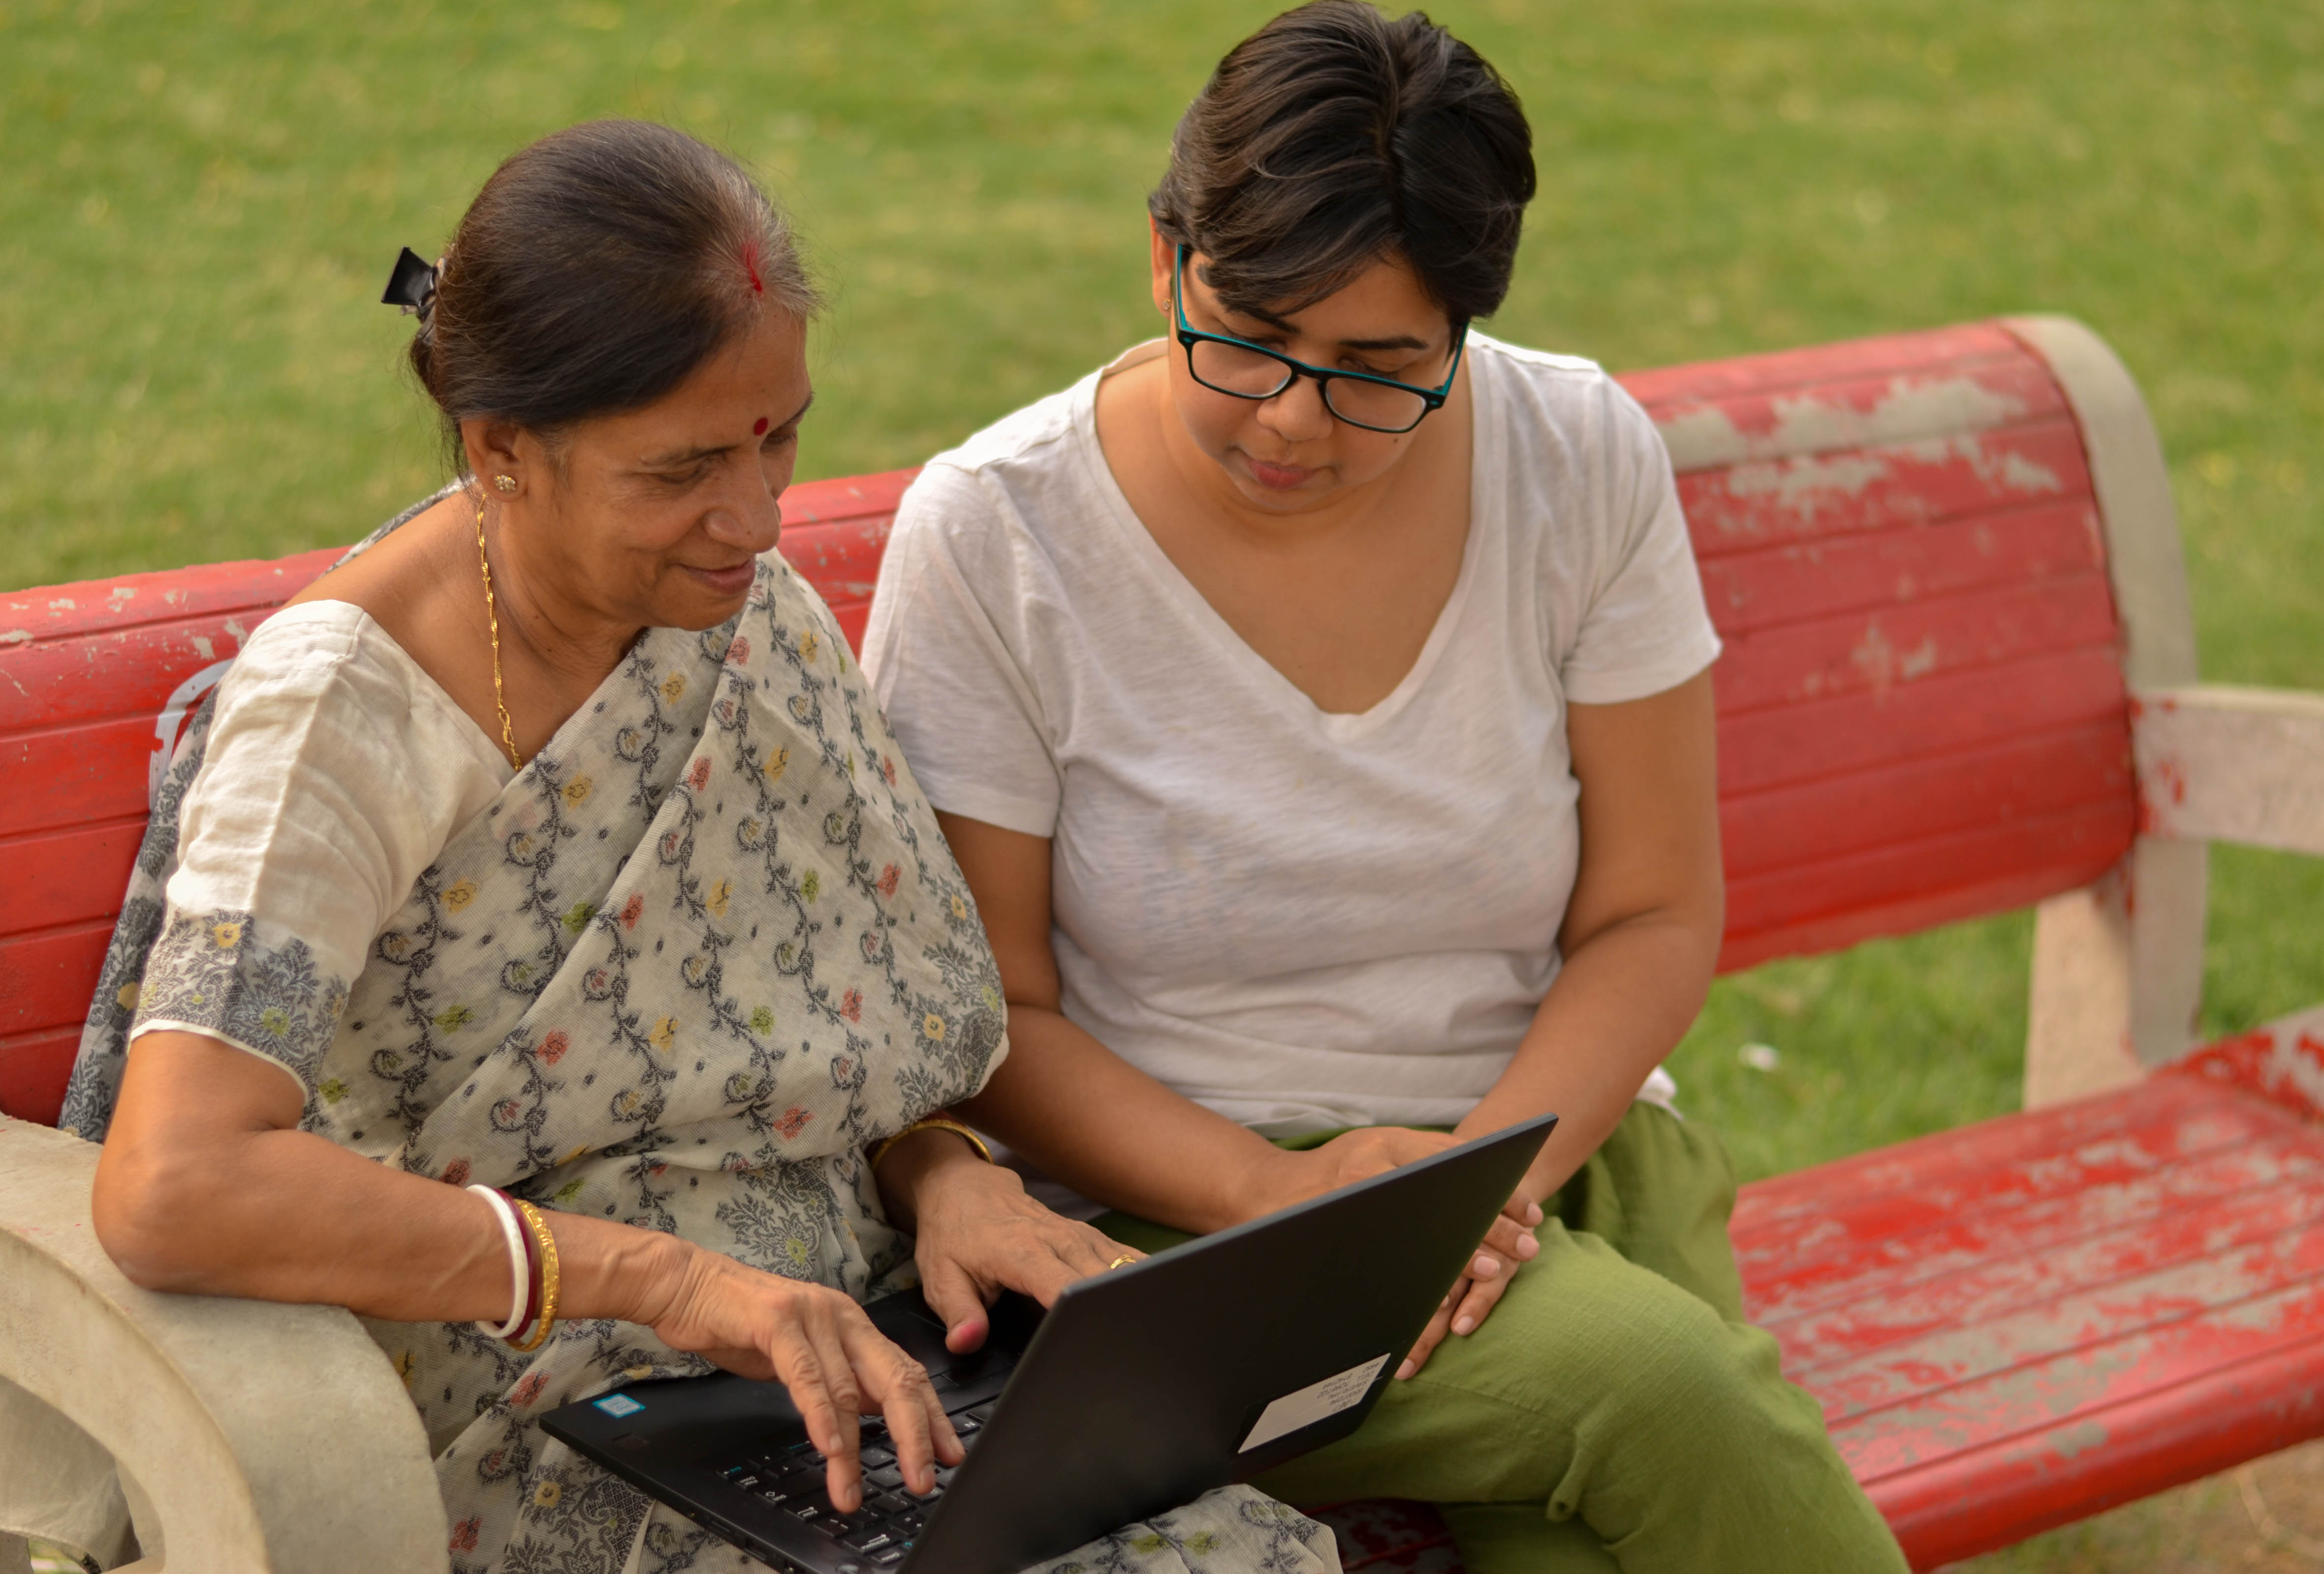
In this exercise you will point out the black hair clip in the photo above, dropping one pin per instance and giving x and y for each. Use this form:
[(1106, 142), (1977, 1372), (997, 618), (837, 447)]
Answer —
[(412, 285)]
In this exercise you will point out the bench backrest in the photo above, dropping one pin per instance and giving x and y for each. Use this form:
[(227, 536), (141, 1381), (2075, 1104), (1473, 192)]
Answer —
[(1922, 710)]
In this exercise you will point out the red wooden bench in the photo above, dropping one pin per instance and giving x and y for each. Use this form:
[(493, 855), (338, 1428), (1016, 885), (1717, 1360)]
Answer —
[(1959, 679)]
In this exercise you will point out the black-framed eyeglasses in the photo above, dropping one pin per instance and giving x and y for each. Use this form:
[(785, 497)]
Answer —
[(1244, 370)]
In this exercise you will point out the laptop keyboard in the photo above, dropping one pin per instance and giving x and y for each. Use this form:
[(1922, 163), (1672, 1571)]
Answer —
[(790, 1479)]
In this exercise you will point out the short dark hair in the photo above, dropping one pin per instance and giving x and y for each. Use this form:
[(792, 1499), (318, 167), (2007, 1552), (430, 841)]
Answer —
[(595, 270), (1333, 137)]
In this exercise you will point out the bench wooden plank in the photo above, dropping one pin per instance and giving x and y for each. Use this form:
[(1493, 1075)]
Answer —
[(2065, 1468), (46, 978), (2028, 1156), (1773, 371), (34, 1071), (167, 595), (1838, 1274), (1881, 486), (1941, 403), (2068, 849), (2046, 774), (1902, 1169), (1817, 581), (68, 776), (119, 672), (2228, 1202), (1854, 654), (67, 876), (1837, 734)]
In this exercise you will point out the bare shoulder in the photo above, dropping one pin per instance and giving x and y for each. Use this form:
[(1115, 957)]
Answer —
[(410, 583)]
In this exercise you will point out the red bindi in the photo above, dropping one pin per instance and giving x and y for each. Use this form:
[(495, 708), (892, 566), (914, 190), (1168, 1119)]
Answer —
[(759, 430)]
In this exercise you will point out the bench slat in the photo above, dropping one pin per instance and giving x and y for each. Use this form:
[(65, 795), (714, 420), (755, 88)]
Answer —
[(1773, 371), (1773, 587), (46, 978), (2214, 1416), (1901, 915), (120, 672), (2259, 1296), (1839, 734), (67, 876), (1882, 487), (2227, 1203), (2049, 772), (2035, 1205), (34, 1071), (167, 594), (2071, 849), (70, 775), (1907, 644), (1942, 405)]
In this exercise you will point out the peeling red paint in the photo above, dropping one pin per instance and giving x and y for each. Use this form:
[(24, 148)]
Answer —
[(2283, 1062)]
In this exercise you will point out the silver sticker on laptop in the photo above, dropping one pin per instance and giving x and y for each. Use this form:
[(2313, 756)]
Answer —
[(1316, 1401)]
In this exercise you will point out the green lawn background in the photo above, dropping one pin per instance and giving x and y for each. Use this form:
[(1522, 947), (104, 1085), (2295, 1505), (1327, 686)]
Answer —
[(201, 205)]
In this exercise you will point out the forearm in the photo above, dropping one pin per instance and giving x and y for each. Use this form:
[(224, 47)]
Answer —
[(1617, 1008), (270, 1213), (1093, 1121)]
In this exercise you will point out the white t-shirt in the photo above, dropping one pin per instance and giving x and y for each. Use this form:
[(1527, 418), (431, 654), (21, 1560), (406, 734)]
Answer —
[(1299, 918), (337, 770)]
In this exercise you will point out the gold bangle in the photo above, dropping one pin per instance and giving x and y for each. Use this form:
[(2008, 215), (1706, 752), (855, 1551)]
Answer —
[(934, 1123), (548, 1273)]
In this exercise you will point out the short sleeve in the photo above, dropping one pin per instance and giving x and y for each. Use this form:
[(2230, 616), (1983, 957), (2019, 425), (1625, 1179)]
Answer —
[(948, 650), (323, 793), (1645, 627)]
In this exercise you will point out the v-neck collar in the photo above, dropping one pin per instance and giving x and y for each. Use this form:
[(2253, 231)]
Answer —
[(1339, 725)]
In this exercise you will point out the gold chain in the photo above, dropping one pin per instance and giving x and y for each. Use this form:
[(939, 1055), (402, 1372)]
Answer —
[(493, 621)]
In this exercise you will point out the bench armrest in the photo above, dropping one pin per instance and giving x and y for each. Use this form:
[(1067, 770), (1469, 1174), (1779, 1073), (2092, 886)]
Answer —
[(2218, 763), (248, 1435)]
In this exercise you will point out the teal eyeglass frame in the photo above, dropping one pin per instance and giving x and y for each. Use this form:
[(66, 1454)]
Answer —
[(1189, 336)]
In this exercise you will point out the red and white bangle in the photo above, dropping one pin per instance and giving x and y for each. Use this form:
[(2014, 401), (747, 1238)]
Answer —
[(519, 1265)]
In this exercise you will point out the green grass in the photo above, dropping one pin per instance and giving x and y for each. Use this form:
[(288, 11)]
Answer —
[(203, 202)]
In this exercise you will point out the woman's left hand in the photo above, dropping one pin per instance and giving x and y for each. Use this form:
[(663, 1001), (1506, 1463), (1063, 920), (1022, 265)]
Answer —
[(1480, 1289), (978, 1233)]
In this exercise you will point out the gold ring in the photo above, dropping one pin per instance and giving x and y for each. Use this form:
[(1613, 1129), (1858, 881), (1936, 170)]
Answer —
[(1118, 1261)]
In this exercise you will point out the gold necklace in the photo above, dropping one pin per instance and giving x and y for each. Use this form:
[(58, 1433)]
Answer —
[(492, 622)]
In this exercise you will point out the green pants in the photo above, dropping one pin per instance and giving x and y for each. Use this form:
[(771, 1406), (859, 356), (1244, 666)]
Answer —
[(1615, 1412)]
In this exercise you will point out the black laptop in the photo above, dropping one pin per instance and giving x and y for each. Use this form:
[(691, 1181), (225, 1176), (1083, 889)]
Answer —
[(1139, 1390)]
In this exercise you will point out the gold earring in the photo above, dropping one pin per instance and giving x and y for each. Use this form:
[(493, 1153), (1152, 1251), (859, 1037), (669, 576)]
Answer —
[(505, 483)]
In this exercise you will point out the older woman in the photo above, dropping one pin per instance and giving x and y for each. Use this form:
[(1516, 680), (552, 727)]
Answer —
[(1317, 700), (550, 847)]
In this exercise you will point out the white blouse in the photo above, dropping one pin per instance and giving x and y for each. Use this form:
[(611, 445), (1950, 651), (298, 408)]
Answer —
[(337, 770)]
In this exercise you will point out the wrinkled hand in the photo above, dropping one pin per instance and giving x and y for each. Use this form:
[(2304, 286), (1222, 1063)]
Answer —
[(978, 1233), (1358, 1155), (823, 1350)]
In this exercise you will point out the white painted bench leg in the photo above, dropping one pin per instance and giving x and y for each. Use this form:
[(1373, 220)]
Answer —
[(2117, 974), (250, 1436), (2118, 967)]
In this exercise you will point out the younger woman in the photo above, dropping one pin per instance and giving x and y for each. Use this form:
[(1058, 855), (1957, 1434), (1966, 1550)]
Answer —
[(1317, 701)]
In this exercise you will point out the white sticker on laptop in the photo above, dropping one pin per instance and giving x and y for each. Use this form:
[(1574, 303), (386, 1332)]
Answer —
[(1316, 1401), (619, 1405)]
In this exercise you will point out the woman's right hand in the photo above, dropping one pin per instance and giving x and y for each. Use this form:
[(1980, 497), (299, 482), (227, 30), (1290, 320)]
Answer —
[(823, 1350)]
